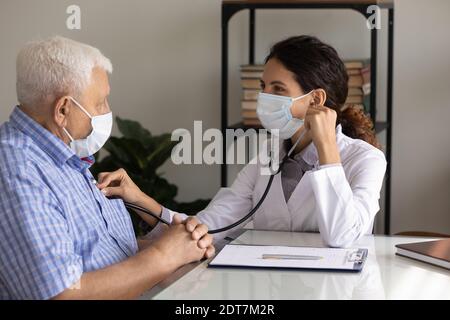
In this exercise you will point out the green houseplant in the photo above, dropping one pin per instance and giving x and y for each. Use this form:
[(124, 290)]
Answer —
[(141, 154)]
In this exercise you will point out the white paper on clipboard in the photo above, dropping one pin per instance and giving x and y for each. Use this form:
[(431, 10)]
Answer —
[(290, 257)]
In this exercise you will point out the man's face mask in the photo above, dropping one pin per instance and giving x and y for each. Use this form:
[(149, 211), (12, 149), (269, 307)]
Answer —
[(101, 130), (275, 114)]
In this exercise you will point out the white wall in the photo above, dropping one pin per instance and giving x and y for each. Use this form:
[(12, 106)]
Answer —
[(421, 140), (166, 56)]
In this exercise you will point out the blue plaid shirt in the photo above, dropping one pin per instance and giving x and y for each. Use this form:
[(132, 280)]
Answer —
[(54, 222)]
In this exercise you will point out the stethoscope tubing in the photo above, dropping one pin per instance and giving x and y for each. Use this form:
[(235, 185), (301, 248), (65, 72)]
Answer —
[(248, 215)]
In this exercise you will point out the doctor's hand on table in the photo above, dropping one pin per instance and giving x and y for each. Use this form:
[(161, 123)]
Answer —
[(119, 184)]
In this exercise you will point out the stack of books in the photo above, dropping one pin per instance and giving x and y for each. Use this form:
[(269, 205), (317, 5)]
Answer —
[(358, 88), (251, 86), (358, 84)]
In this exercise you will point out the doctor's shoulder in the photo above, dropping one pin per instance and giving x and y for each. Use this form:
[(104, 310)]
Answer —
[(361, 154)]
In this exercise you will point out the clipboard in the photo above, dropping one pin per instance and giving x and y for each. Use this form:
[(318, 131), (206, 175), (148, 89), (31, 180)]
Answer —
[(289, 257)]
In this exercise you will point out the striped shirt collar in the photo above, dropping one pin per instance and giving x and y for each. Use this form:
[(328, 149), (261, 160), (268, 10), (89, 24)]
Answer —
[(47, 141)]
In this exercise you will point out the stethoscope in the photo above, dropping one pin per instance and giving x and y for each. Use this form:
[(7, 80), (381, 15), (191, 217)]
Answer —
[(248, 215)]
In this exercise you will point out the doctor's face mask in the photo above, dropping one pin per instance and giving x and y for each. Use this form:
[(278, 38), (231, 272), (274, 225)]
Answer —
[(275, 114)]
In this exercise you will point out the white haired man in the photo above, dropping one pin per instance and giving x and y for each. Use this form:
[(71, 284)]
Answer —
[(60, 237)]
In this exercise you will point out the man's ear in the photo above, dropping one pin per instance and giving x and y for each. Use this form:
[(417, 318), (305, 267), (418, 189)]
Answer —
[(61, 110), (319, 97)]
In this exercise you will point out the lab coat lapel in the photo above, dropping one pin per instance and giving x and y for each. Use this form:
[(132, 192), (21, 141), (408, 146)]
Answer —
[(301, 205), (273, 213)]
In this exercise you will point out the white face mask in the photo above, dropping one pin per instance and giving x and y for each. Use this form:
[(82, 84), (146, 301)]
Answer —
[(101, 130), (274, 112)]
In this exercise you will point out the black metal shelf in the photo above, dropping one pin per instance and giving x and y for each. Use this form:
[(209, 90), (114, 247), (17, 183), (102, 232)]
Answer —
[(230, 8)]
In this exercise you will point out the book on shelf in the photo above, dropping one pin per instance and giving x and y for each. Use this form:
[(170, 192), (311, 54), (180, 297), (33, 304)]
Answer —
[(355, 92), (251, 83), (251, 74), (251, 122), (353, 72), (249, 118), (359, 83), (354, 99), (249, 114), (356, 64), (250, 94), (249, 104), (252, 67), (251, 87), (365, 72), (355, 81)]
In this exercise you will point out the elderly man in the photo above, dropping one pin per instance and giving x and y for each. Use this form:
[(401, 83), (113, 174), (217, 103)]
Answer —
[(60, 237)]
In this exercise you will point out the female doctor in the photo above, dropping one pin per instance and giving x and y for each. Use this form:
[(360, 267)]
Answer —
[(331, 181)]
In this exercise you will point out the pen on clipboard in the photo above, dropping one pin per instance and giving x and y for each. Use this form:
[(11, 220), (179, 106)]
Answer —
[(290, 257)]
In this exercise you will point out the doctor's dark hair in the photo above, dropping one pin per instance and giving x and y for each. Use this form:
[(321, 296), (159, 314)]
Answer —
[(317, 65)]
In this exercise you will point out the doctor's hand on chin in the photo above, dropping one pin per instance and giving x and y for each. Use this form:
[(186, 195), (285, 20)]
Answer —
[(119, 184)]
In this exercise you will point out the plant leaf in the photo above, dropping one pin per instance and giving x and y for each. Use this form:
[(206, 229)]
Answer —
[(133, 130), (161, 153), (129, 152)]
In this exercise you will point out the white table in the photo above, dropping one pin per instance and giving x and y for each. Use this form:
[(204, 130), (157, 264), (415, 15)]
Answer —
[(385, 275)]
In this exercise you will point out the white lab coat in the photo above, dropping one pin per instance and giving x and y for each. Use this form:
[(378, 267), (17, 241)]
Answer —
[(340, 201)]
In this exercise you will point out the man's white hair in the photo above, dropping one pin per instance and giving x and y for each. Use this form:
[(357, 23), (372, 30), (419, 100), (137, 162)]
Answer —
[(48, 69)]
